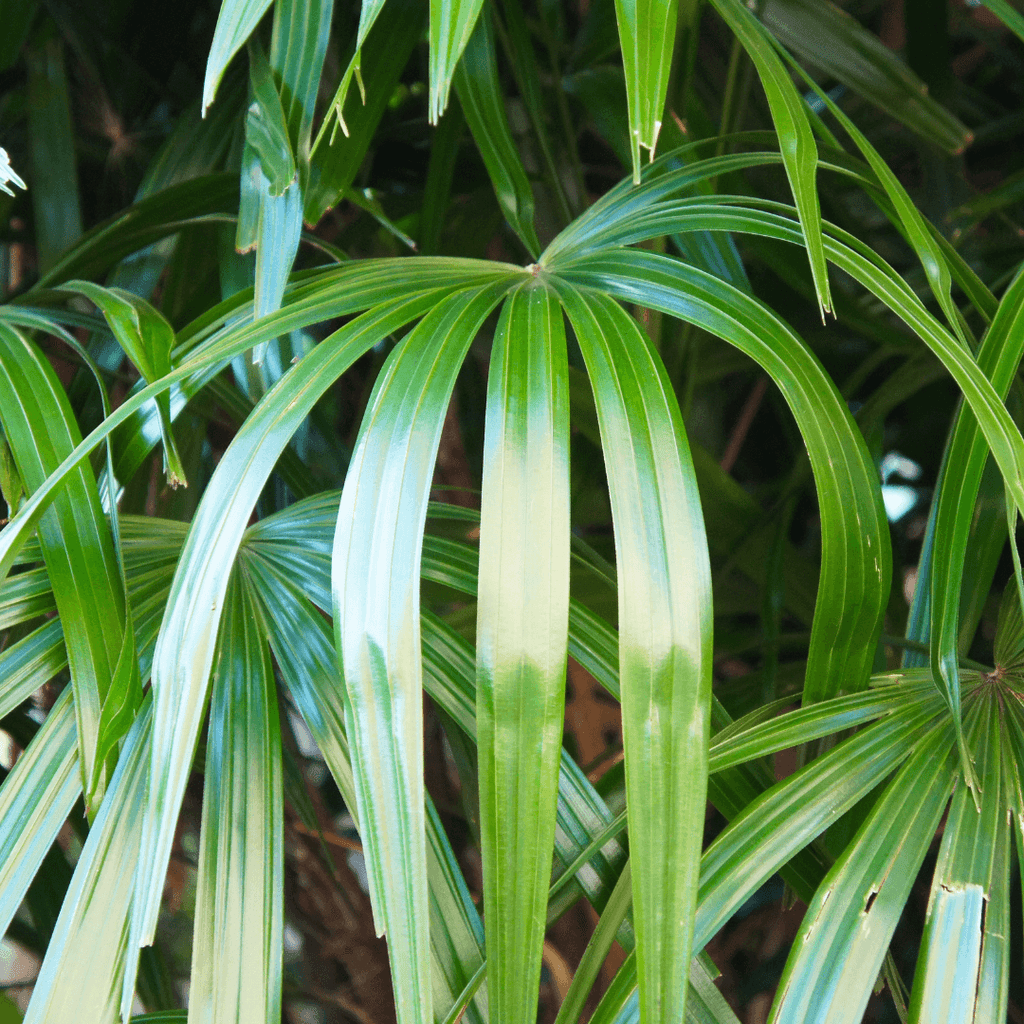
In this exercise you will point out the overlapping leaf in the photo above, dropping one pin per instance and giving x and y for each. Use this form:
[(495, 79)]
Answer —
[(855, 558), (185, 649), (375, 584), (240, 897), (75, 539)]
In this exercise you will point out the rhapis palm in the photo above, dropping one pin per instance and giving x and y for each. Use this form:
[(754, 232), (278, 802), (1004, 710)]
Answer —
[(263, 593)]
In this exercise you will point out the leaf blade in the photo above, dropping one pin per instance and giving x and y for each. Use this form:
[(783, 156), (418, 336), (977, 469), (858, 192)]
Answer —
[(375, 588), (796, 140), (476, 82), (665, 635), (522, 623), (647, 31), (237, 951)]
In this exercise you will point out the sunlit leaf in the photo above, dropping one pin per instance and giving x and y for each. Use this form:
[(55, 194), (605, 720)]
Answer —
[(665, 634), (523, 612), (35, 800), (854, 530), (147, 339), (375, 586), (87, 957), (200, 582), (266, 128)]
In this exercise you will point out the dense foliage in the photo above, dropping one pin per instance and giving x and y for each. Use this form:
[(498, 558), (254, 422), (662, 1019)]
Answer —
[(353, 355)]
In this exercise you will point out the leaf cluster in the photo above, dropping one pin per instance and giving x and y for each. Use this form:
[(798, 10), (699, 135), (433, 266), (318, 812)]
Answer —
[(385, 387)]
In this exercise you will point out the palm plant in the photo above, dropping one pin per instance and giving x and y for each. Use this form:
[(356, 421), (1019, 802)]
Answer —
[(305, 579)]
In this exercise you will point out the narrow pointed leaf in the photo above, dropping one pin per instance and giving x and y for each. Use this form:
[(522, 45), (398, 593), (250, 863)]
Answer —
[(647, 32), (298, 45), (85, 962), (778, 823), (796, 140), (185, 648), (147, 339), (845, 934), (304, 649), (959, 483), (266, 128), (996, 954), (858, 260), (35, 801), (25, 596), (481, 99), (856, 561), (456, 932), (917, 229), (375, 585), (8, 175), (147, 221), (122, 702), (949, 957), (237, 951), (31, 662), (793, 812), (296, 544), (11, 486), (333, 293), (522, 624), (278, 230), (236, 22), (451, 25), (947, 977), (665, 636), (825, 718), (75, 538)]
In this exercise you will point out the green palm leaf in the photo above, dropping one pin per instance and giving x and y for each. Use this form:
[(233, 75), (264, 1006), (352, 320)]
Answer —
[(522, 625), (86, 959), (309, 671), (647, 30), (855, 558), (451, 25), (665, 633), (29, 663), (74, 537), (239, 902), (236, 22), (946, 983), (375, 583), (35, 801), (796, 140), (959, 484), (201, 578), (783, 820), (846, 932)]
